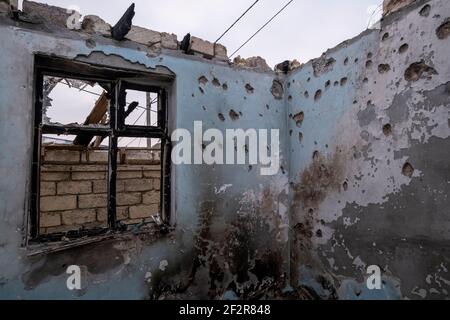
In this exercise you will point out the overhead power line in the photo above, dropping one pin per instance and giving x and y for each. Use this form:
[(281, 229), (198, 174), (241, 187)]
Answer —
[(226, 31), (260, 29)]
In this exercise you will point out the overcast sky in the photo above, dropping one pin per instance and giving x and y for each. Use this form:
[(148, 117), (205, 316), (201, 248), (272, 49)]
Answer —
[(303, 31)]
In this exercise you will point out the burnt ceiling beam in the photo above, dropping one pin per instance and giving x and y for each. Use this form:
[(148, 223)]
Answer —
[(121, 29)]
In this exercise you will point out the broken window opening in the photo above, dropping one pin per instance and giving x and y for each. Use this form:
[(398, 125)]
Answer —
[(100, 156)]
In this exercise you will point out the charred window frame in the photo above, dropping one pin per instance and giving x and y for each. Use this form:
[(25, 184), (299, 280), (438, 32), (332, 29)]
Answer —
[(119, 81)]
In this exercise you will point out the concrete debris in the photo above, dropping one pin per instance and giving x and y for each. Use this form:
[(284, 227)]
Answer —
[(254, 63), (8, 5), (391, 6), (169, 41), (288, 66), (123, 26), (51, 14), (202, 47), (94, 24)]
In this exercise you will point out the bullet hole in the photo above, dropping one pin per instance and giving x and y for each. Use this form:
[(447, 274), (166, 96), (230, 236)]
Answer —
[(336, 83), (327, 84), (267, 107), (344, 81), (408, 170), (355, 101), (291, 132), (308, 80), (216, 82), (234, 115), (319, 233), (221, 117), (345, 186), (201, 90), (202, 80), (356, 60), (346, 61), (444, 30), (203, 146), (385, 36), (300, 137), (250, 168), (225, 86), (403, 48), (90, 43), (425, 12), (383, 68), (387, 129), (249, 88), (290, 98), (366, 80), (369, 55), (282, 170), (419, 70), (316, 155), (306, 94), (299, 118), (204, 108), (369, 64), (277, 90), (318, 95)]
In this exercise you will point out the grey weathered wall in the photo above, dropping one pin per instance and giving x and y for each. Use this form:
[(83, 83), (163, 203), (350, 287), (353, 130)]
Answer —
[(370, 161)]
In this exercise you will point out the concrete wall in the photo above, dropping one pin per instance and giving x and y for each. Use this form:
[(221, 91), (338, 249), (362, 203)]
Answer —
[(370, 161), (363, 178), (228, 220)]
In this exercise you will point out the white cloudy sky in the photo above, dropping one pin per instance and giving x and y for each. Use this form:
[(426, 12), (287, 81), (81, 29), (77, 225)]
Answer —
[(305, 30)]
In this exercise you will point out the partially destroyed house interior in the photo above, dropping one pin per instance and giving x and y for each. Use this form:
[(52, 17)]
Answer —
[(86, 119)]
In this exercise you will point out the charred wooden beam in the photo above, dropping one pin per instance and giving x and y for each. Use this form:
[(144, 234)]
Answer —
[(95, 117), (121, 29)]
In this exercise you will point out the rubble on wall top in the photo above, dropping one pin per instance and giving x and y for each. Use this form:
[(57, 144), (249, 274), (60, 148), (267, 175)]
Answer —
[(123, 30)]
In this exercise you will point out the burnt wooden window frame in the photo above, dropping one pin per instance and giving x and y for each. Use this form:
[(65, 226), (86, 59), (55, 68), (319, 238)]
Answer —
[(120, 80)]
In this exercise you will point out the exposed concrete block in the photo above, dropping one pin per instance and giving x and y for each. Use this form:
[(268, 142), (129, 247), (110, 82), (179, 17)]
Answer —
[(144, 36), (51, 14), (92, 201), (128, 199), (48, 189), (55, 176), (254, 63), (78, 217), (8, 5), (157, 184), (98, 157), (74, 187), (221, 53), (390, 6), (152, 174), (122, 175), (138, 185), (48, 220), (62, 156), (101, 186), (122, 214), (95, 24), (201, 46), (152, 197), (142, 212), (58, 203), (169, 41), (139, 156), (88, 175)]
